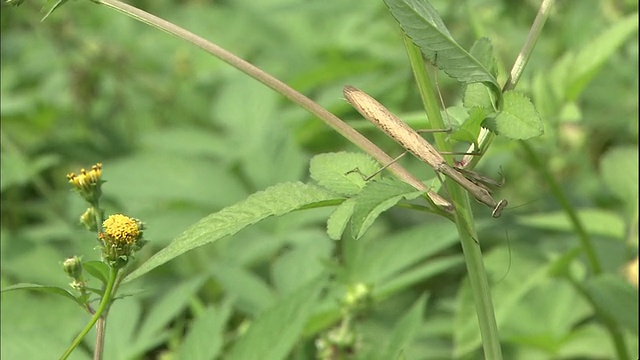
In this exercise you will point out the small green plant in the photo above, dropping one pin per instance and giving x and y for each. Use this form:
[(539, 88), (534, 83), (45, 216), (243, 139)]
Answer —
[(119, 237)]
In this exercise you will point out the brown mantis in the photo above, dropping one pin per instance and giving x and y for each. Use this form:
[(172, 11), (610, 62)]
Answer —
[(409, 139)]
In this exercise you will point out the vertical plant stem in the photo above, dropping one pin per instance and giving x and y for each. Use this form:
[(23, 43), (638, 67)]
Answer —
[(463, 216), (529, 44), (101, 327), (102, 308)]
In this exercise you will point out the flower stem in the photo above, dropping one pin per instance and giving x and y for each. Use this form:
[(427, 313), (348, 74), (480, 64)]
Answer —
[(102, 309)]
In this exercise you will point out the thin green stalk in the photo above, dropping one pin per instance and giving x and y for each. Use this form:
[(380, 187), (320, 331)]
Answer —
[(102, 308), (463, 216), (102, 320)]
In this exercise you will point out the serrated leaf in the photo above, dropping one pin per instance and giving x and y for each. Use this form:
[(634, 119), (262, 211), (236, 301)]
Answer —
[(422, 23), (47, 289), (470, 129), (339, 219), (275, 332), (374, 199), (332, 171), (482, 50), (274, 201), (517, 119)]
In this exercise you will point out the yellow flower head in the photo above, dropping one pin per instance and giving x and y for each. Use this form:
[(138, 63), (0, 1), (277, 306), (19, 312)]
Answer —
[(121, 229), (88, 182), (122, 236)]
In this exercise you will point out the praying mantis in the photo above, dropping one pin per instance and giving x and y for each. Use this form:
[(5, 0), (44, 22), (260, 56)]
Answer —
[(409, 139)]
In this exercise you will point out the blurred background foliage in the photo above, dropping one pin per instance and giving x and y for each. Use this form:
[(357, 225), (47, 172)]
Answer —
[(182, 135)]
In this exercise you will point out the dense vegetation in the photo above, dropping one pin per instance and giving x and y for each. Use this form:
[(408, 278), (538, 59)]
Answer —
[(182, 135)]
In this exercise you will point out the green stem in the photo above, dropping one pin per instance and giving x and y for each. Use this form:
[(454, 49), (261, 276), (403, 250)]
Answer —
[(463, 216), (102, 308)]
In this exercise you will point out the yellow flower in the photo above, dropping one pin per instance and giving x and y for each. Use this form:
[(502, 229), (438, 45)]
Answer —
[(88, 182), (122, 229), (122, 236)]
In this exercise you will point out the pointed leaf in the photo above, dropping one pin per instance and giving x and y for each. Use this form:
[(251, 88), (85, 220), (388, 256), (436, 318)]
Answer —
[(47, 289), (470, 129), (422, 23), (97, 269)]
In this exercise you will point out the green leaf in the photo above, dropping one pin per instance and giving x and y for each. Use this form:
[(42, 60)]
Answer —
[(482, 50), (274, 333), (479, 95), (517, 119), (470, 129), (616, 298), (339, 219), (47, 289), (375, 198), (422, 23), (97, 269), (274, 201), (331, 171)]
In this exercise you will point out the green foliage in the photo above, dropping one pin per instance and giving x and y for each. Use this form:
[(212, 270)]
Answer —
[(518, 118), (424, 26), (243, 252)]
